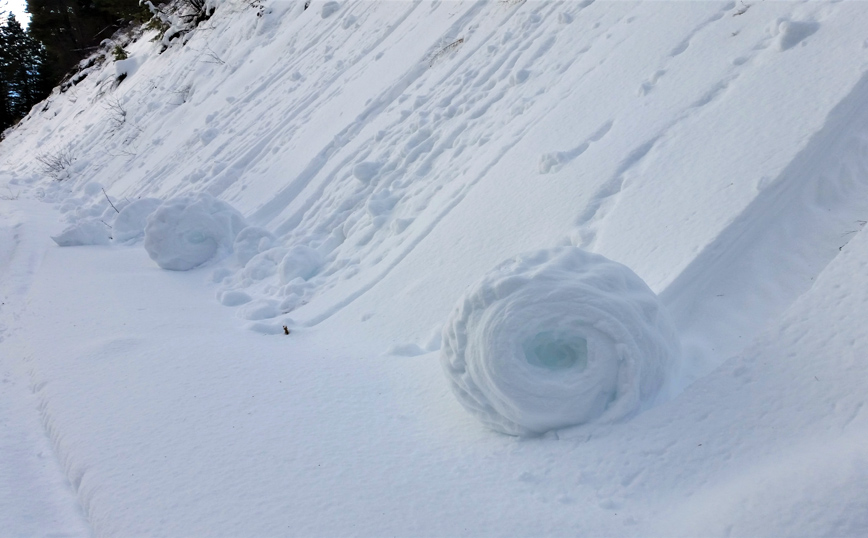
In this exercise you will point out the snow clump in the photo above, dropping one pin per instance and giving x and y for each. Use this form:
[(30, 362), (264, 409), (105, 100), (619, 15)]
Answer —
[(186, 232), (556, 338)]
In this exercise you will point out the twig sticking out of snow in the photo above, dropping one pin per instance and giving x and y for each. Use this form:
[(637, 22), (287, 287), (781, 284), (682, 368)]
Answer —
[(56, 164), (110, 203)]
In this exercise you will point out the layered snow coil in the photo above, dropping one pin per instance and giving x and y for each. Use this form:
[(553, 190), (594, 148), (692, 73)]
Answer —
[(556, 338)]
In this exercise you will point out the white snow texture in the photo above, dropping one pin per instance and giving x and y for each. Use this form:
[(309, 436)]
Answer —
[(556, 338), (130, 223), (300, 262), (189, 231), (90, 231)]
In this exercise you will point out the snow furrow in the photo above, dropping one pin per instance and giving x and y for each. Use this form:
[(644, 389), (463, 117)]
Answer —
[(774, 250)]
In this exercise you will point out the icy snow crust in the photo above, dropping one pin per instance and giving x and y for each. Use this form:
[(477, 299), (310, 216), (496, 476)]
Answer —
[(557, 338)]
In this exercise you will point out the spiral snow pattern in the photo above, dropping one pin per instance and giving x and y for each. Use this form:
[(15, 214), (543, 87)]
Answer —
[(186, 232), (556, 338)]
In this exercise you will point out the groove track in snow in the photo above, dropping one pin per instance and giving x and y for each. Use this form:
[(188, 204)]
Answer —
[(773, 251)]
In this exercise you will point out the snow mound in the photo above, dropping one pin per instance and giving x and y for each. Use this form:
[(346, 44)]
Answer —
[(130, 223), (84, 232), (556, 338), (186, 232)]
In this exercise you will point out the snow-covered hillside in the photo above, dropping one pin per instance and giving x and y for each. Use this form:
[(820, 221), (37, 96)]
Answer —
[(378, 160)]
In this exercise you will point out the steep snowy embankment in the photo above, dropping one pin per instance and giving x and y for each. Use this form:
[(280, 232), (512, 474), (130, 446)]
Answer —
[(386, 156)]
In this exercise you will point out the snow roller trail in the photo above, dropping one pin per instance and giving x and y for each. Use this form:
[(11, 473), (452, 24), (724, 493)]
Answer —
[(773, 251)]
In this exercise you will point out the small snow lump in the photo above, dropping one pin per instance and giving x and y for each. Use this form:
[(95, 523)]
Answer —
[(556, 338)]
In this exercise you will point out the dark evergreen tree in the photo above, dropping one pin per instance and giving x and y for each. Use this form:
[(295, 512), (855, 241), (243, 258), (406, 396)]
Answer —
[(17, 68), (72, 29), (6, 117), (24, 76), (61, 33)]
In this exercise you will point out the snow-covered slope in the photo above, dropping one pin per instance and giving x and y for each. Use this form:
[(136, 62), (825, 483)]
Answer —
[(387, 156)]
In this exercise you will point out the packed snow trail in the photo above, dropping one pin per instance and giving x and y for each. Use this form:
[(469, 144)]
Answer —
[(35, 497)]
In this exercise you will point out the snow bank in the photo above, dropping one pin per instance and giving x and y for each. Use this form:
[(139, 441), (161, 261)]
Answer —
[(556, 338), (187, 232)]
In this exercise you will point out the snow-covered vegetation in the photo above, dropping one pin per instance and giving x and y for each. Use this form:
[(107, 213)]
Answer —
[(674, 346)]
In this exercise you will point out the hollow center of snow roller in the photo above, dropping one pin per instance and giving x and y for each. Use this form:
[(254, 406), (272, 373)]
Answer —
[(196, 238), (554, 351)]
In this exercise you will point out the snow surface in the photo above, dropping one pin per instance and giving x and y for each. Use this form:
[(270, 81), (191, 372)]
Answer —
[(370, 161)]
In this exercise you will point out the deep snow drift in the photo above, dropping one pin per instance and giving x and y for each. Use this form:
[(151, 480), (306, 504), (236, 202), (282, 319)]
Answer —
[(379, 158), (558, 338)]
